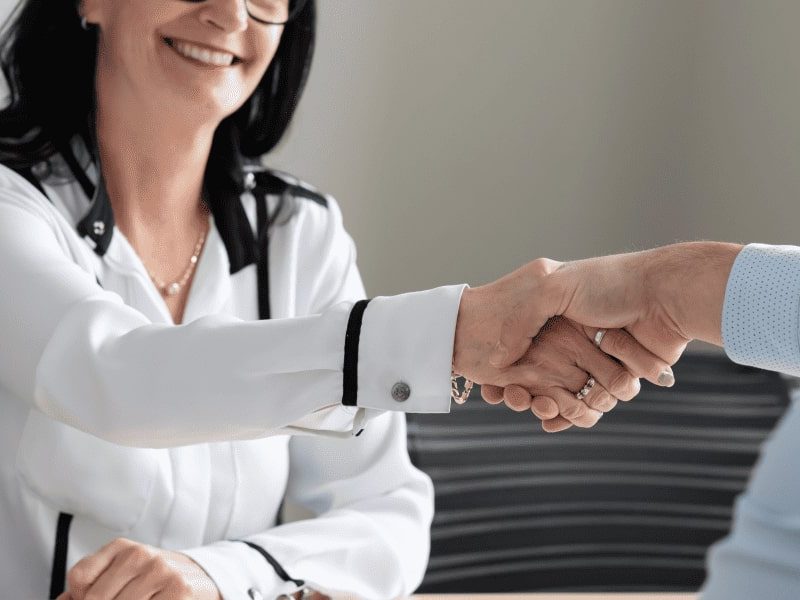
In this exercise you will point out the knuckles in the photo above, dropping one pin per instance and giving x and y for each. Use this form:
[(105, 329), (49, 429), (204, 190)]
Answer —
[(623, 385), (603, 402), (79, 578)]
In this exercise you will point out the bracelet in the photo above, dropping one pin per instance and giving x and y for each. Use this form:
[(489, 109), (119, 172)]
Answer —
[(457, 396)]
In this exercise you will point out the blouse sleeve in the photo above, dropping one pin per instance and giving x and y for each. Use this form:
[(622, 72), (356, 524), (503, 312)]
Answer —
[(371, 509), (82, 356), (370, 533)]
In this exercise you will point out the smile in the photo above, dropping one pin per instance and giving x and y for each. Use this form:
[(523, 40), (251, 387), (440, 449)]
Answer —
[(204, 55)]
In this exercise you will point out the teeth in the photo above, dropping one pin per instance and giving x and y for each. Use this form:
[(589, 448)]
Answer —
[(220, 59)]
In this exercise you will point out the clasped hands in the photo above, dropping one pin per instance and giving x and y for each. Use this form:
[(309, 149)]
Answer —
[(529, 337)]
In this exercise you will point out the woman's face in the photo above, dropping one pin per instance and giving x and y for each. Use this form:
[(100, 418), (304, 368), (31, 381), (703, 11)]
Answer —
[(194, 58)]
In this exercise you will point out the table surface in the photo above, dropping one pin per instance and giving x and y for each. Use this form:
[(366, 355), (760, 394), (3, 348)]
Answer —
[(646, 596)]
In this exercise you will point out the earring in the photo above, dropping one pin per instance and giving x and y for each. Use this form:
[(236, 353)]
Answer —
[(84, 23)]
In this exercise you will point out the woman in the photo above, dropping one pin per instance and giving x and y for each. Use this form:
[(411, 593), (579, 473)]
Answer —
[(185, 340)]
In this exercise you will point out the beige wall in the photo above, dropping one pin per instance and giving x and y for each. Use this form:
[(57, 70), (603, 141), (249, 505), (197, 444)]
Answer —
[(464, 137), (744, 174)]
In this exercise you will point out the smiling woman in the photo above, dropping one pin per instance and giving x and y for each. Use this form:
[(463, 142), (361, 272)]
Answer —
[(186, 339)]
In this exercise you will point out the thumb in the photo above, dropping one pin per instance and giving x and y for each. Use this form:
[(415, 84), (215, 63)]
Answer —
[(538, 300), (516, 333)]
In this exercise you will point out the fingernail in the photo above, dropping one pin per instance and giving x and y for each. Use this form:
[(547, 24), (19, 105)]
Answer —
[(666, 378), (498, 354)]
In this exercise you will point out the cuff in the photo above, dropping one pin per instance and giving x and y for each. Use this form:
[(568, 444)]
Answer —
[(402, 360), (761, 313), (239, 572)]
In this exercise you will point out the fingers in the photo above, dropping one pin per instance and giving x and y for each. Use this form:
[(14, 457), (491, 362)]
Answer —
[(544, 407), (517, 398), (613, 376), (128, 563), (556, 424), (81, 576), (491, 393), (573, 410), (637, 359)]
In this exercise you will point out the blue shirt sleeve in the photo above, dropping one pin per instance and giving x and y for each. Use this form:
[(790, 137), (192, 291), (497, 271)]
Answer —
[(761, 314), (760, 557)]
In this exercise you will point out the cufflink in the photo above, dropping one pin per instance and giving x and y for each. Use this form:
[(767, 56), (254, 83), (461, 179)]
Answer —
[(401, 391), (254, 594)]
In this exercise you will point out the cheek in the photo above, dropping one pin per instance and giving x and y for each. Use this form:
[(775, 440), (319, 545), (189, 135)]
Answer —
[(265, 48), (265, 52)]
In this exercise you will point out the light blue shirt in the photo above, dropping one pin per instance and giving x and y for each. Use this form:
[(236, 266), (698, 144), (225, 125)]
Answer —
[(760, 558)]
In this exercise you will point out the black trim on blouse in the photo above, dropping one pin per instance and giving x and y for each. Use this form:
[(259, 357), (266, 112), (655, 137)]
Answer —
[(281, 572), (58, 576), (351, 340)]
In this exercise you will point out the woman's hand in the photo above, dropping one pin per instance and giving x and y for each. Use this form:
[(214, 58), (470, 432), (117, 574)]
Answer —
[(558, 363), (127, 570)]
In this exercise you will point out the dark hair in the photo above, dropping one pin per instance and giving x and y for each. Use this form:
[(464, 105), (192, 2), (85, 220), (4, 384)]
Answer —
[(49, 62)]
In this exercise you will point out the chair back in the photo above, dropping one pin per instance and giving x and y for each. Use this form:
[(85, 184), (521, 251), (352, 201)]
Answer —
[(631, 504)]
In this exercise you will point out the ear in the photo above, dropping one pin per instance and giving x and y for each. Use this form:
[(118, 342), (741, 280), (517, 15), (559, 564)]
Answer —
[(91, 10)]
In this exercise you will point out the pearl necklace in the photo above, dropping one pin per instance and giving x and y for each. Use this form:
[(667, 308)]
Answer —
[(174, 288)]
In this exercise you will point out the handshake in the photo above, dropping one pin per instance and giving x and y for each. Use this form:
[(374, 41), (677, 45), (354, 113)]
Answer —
[(568, 340)]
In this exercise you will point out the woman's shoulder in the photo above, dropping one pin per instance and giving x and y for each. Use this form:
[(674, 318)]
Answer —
[(17, 191), (296, 198)]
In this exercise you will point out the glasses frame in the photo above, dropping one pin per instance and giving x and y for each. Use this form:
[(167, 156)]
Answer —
[(299, 5)]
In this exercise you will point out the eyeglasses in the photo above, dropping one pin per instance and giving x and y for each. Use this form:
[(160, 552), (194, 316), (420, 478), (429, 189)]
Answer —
[(272, 12)]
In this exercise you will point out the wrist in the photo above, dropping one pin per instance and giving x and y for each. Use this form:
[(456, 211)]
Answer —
[(690, 282), (464, 328)]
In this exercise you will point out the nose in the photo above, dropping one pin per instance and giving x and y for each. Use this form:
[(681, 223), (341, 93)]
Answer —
[(227, 15)]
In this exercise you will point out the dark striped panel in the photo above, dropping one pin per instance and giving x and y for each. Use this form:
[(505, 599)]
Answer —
[(632, 504)]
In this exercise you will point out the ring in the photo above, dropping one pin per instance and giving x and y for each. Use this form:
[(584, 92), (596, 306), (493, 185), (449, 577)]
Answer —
[(587, 387), (598, 337)]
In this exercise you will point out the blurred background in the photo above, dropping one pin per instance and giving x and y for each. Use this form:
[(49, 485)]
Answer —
[(463, 138)]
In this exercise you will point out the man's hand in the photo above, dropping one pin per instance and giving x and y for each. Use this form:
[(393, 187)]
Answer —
[(663, 297), (127, 570)]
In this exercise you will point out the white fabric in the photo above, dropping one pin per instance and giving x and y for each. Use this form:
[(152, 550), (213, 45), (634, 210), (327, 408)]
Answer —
[(178, 436)]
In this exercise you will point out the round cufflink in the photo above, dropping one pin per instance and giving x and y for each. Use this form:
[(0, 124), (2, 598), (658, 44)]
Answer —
[(401, 391)]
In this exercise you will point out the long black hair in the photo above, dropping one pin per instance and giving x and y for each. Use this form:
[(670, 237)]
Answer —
[(49, 62)]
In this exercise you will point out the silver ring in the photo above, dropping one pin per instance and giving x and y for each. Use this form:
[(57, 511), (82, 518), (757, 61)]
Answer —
[(598, 337), (587, 387)]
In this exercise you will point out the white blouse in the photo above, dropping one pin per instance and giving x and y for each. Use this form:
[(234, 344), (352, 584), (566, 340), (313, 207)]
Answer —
[(189, 437)]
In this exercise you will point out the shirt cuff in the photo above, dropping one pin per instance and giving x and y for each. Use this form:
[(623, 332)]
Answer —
[(239, 572), (405, 351), (761, 312)]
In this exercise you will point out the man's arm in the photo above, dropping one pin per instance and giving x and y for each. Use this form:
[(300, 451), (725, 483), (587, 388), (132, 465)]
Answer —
[(664, 297)]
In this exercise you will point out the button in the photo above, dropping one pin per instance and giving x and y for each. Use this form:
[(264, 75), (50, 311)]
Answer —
[(249, 181), (254, 594), (401, 391), (98, 227), (41, 170)]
